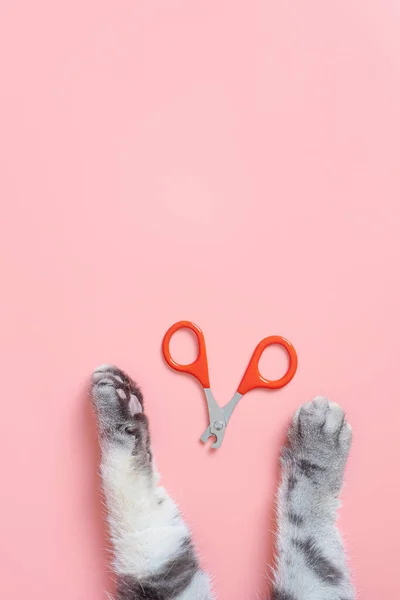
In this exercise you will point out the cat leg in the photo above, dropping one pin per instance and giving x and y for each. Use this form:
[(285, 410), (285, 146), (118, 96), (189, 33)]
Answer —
[(153, 555), (311, 563)]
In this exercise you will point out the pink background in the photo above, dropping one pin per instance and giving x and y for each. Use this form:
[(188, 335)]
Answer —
[(233, 163)]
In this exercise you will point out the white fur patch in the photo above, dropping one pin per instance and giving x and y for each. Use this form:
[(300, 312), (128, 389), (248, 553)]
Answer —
[(145, 525), (198, 589)]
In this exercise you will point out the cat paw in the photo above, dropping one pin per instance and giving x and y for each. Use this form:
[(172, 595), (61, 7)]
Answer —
[(319, 442), (117, 400)]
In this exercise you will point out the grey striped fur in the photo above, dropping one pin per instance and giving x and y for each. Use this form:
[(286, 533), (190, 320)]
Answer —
[(311, 563)]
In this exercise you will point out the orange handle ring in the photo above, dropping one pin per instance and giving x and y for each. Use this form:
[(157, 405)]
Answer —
[(199, 367), (253, 379)]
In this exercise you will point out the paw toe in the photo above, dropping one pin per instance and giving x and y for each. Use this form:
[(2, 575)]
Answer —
[(346, 436), (320, 404), (313, 415), (335, 419), (103, 370)]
